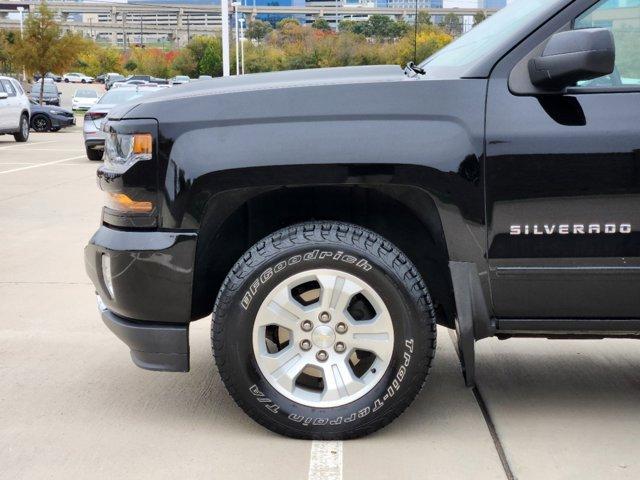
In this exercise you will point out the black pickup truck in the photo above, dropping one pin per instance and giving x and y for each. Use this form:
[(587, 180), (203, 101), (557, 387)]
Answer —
[(330, 219)]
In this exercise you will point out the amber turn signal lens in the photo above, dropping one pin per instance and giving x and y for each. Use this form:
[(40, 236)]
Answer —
[(123, 203), (142, 144)]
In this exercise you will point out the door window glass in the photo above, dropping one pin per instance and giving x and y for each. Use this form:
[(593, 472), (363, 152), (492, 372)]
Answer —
[(622, 18), (18, 87), (8, 88)]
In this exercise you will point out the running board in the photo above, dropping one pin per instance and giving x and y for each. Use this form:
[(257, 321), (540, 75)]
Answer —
[(569, 326)]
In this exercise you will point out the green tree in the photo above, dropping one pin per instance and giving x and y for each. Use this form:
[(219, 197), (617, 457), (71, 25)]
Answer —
[(207, 53), (7, 40), (101, 59), (451, 24), (321, 24), (211, 61), (382, 27), (351, 27), (479, 17), (130, 66), (258, 29), (287, 23), (378, 27), (43, 48), (185, 63), (423, 19)]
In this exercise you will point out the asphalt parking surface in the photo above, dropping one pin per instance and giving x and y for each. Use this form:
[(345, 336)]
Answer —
[(72, 405)]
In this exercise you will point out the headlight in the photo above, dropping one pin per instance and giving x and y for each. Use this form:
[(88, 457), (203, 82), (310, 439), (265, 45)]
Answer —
[(122, 150)]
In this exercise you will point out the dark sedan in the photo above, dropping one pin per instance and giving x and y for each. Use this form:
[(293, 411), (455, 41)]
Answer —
[(48, 118), (52, 76), (50, 94)]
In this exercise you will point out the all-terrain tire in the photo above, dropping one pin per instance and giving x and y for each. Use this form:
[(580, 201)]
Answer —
[(341, 247)]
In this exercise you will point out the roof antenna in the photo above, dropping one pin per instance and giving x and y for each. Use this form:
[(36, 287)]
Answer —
[(415, 36)]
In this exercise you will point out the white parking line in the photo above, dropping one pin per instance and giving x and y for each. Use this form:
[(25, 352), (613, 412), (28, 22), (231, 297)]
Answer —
[(326, 461), (41, 164), (75, 149), (26, 145)]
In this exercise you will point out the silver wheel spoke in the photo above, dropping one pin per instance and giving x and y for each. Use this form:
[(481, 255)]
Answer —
[(322, 336), (340, 381), (280, 310), (337, 291), (377, 343), (284, 367), (373, 336)]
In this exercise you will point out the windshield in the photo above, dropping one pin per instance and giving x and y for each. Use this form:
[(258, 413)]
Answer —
[(489, 34), (48, 88), (120, 96), (182, 77), (87, 93)]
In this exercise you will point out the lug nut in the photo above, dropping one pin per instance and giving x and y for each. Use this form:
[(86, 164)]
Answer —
[(305, 345), (324, 317), (306, 325), (340, 347), (322, 356), (341, 327)]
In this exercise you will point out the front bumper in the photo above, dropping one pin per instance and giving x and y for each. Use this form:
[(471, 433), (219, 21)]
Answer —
[(61, 121), (150, 309), (151, 273), (159, 347)]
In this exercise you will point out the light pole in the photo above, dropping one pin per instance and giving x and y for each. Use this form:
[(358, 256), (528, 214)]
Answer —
[(242, 45), (235, 6), (24, 73), (224, 6)]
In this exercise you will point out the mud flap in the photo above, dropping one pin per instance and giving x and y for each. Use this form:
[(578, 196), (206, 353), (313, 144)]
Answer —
[(472, 321)]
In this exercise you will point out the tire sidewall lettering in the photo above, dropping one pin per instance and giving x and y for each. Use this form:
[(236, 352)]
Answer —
[(316, 254)]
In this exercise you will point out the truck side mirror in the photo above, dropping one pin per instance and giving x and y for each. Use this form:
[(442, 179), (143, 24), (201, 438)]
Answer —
[(3, 95), (572, 56)]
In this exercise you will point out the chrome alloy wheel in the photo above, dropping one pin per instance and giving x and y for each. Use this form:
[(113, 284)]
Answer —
[(323, 338)]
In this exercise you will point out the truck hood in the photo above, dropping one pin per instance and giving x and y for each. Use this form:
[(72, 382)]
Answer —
[(268, 81)]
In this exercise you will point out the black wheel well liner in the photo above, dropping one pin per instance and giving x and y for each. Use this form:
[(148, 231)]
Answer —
[(407, 216)]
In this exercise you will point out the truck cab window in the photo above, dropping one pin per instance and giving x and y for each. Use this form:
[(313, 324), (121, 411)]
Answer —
[(622, 18)]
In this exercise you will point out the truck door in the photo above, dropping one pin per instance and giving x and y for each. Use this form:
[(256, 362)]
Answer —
[(563, 180)]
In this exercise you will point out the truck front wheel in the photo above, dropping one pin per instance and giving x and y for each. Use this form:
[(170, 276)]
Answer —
[(323, 331)]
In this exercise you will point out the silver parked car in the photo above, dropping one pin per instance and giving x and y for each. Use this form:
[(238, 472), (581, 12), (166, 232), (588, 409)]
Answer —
[(93, 135)]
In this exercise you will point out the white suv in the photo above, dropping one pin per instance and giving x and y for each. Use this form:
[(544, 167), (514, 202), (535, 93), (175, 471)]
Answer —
[(14, 109), (77, 78)]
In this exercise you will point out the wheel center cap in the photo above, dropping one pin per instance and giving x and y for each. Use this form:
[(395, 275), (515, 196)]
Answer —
[(323, 336)]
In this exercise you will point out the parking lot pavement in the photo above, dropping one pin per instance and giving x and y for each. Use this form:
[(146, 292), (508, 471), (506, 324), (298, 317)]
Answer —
[(68, 89), (72, 404), (564, 409)]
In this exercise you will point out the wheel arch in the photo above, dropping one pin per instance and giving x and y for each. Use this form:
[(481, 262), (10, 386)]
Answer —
[(233, 220)]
